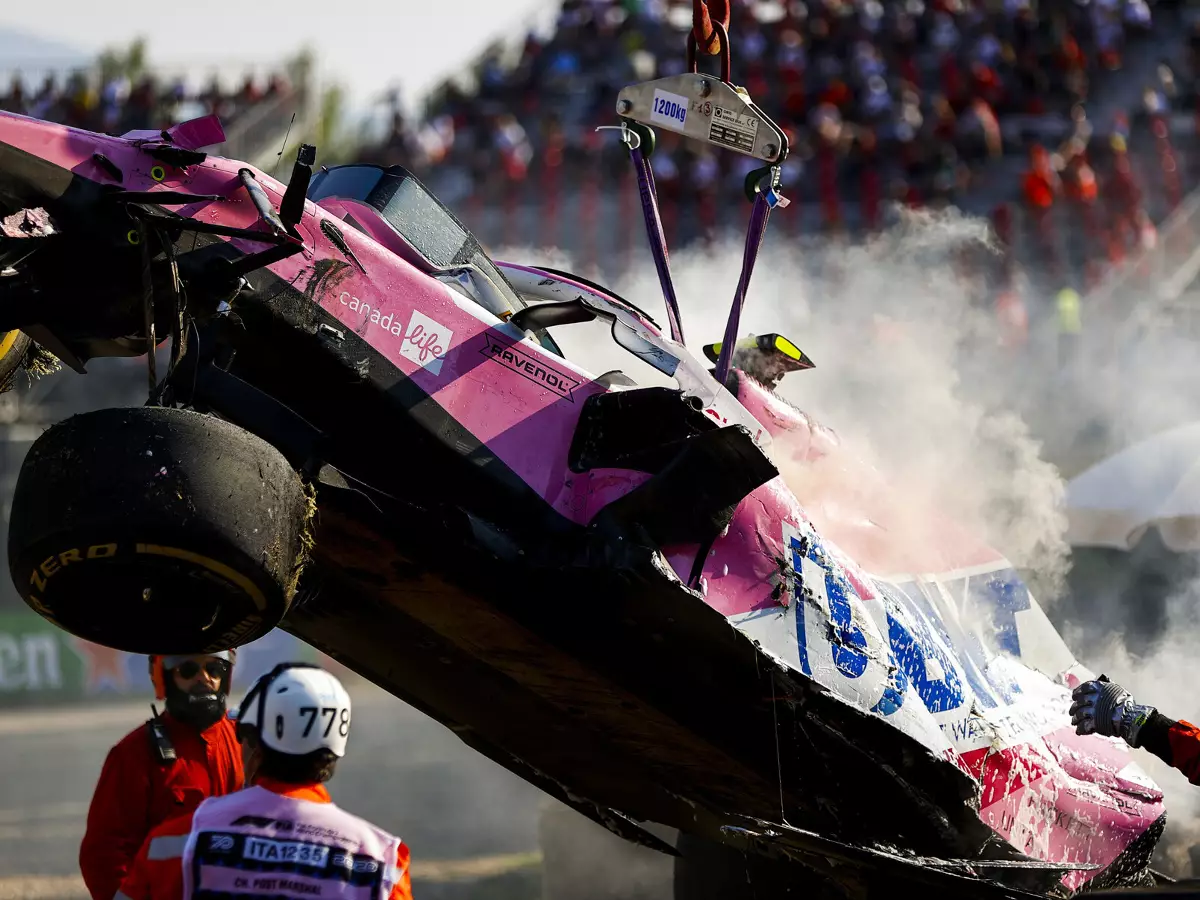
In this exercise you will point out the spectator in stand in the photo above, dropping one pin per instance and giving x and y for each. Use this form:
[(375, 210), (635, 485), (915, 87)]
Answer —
[(1081, 192), (1172, 182), (1070, 328), (113, 97), (977, 133), (512, 142), (14, 101), (883, 100), (1123, 197), (119, 104), (1012, 319), (869, 179), (1041, 186), (870, 65)]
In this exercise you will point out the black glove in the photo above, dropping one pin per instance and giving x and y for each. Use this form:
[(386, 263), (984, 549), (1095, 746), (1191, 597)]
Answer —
[(1102, 707)]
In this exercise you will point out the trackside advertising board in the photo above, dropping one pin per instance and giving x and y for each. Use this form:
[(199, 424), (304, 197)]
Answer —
[(42, 665)]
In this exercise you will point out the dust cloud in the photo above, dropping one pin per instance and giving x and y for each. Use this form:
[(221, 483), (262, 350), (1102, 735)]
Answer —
[(891, 329), (910, 375)]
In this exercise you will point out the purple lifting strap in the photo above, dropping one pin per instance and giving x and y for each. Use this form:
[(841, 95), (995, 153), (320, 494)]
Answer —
[(658, 240), (755, 232)]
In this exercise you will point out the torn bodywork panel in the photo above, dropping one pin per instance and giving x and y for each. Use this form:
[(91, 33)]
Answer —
[(956, 653)]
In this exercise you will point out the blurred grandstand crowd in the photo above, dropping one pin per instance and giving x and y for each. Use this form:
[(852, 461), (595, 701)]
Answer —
[(886, 102), (118, 103), (912, 101)]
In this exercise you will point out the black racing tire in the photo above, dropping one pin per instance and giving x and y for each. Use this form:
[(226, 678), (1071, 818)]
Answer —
[(14, 345), (154, 530)]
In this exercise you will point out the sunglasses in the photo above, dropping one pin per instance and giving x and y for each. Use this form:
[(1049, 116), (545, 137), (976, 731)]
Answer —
[(216, 668)]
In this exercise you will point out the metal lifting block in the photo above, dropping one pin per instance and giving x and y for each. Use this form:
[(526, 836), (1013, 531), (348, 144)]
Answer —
[(707, 109)]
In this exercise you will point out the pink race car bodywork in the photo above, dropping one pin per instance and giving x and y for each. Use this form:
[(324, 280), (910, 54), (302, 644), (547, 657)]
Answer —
[(999, 705), (927, 641)]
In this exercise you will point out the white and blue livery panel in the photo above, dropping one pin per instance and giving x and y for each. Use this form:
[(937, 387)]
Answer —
[(944, 658)]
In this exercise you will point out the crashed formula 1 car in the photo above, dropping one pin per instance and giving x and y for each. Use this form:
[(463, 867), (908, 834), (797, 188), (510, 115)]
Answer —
[(367, 435)]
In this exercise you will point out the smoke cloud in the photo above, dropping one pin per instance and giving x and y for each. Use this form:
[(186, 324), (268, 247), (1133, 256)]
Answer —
[(897, 343), (911, 375)]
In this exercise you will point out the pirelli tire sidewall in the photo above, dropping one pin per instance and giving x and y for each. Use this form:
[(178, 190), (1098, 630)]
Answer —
[(14, 345), (156, 530)]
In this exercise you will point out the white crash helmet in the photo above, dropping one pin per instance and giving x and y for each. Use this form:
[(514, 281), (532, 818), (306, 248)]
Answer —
[(297, 708)]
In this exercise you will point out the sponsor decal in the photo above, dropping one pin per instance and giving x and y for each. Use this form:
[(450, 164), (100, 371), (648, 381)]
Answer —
[(29, 662), (104, 669), (426, 342), (512, 357), (41, 664), (370, 314)]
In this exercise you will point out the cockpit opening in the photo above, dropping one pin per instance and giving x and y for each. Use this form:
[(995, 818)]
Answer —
[(393, 207)]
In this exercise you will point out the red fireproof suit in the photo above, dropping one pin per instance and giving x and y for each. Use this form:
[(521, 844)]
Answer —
[(1175, 743), (138, 791)]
